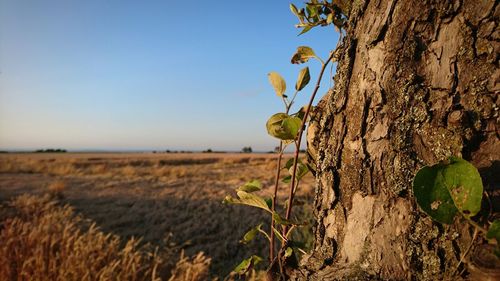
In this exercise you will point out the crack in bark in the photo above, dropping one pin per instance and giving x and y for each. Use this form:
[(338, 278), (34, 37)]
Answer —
[(385, 26)]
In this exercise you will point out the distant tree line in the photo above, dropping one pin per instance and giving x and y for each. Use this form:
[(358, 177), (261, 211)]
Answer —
[(51, 150), (246, 149)]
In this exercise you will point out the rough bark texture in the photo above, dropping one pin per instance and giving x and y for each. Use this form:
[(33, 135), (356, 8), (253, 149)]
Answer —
[(417, 81)]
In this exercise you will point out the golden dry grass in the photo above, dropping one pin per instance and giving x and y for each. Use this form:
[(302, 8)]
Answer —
[(157, 196), (40, 240), (56, 188)]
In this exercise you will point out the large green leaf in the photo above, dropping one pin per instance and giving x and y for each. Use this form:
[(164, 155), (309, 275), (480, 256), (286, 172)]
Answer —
[(303, 53), (464, 183), (251, 186), (278, 83), (303, 79), (432, 195), (246, 264), (283, 126), (248, 199)]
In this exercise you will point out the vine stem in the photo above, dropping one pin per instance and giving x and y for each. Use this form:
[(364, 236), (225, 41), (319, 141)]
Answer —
[(276, 185), (462, 257), (273, 205), (299, 139)]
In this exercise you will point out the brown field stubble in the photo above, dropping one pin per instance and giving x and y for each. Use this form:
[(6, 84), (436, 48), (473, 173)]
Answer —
[(164, 201)]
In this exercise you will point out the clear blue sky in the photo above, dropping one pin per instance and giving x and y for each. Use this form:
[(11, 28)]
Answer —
[(122, 74)]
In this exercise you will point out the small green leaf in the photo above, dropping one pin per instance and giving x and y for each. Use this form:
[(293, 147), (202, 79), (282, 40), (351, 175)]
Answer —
[(250, 235), (289, 163), (432, 195), (269, 202), (302, 111), (248, 199), (246, 264), (494, 231), (279, 235), (294, 10), (283, 126), (464, 183), (311, 10), (288, 252), (286, 179), (253, 200), (303, 79), (251, 186), (306, 29), (302, 170), (303, 54), (278, 83), (280, 220)]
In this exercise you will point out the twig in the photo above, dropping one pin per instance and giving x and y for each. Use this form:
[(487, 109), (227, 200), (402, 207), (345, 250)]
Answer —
[(299, 139), (273, 206), (462, 257)]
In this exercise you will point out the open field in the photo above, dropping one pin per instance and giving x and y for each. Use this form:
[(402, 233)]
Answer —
[(164, 199)]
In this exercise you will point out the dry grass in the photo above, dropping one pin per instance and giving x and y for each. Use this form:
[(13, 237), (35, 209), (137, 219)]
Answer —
[(190, 269), (56, 188), (40, 240), (153, 196)]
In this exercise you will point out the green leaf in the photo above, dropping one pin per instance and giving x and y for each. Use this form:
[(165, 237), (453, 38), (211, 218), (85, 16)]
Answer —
[(251, 186), (494, 231), (250, 235), (248, 199), (302, 170), (289, 163), (432, 195), (294, 10), (302, 111), (283, 126), (306, 29), (464, 183), (286, 179), (280, 220), (288, 252), (278, 83), (279, 235), (303, 53), (269, 202), (246, 264), (303, 79), (291, 126)]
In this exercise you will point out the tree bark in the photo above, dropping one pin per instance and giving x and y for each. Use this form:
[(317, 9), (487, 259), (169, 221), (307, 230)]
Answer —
[(417, 81)]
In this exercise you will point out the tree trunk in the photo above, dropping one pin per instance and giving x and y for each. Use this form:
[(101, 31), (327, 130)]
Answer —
[(417, 81)]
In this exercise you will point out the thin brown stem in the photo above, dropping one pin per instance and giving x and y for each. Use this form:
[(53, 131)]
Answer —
[(276, 185), (273, 206), (462, 257), (299, 139)]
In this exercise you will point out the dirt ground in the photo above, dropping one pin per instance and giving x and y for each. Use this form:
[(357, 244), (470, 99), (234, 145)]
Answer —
[(162, 198)]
